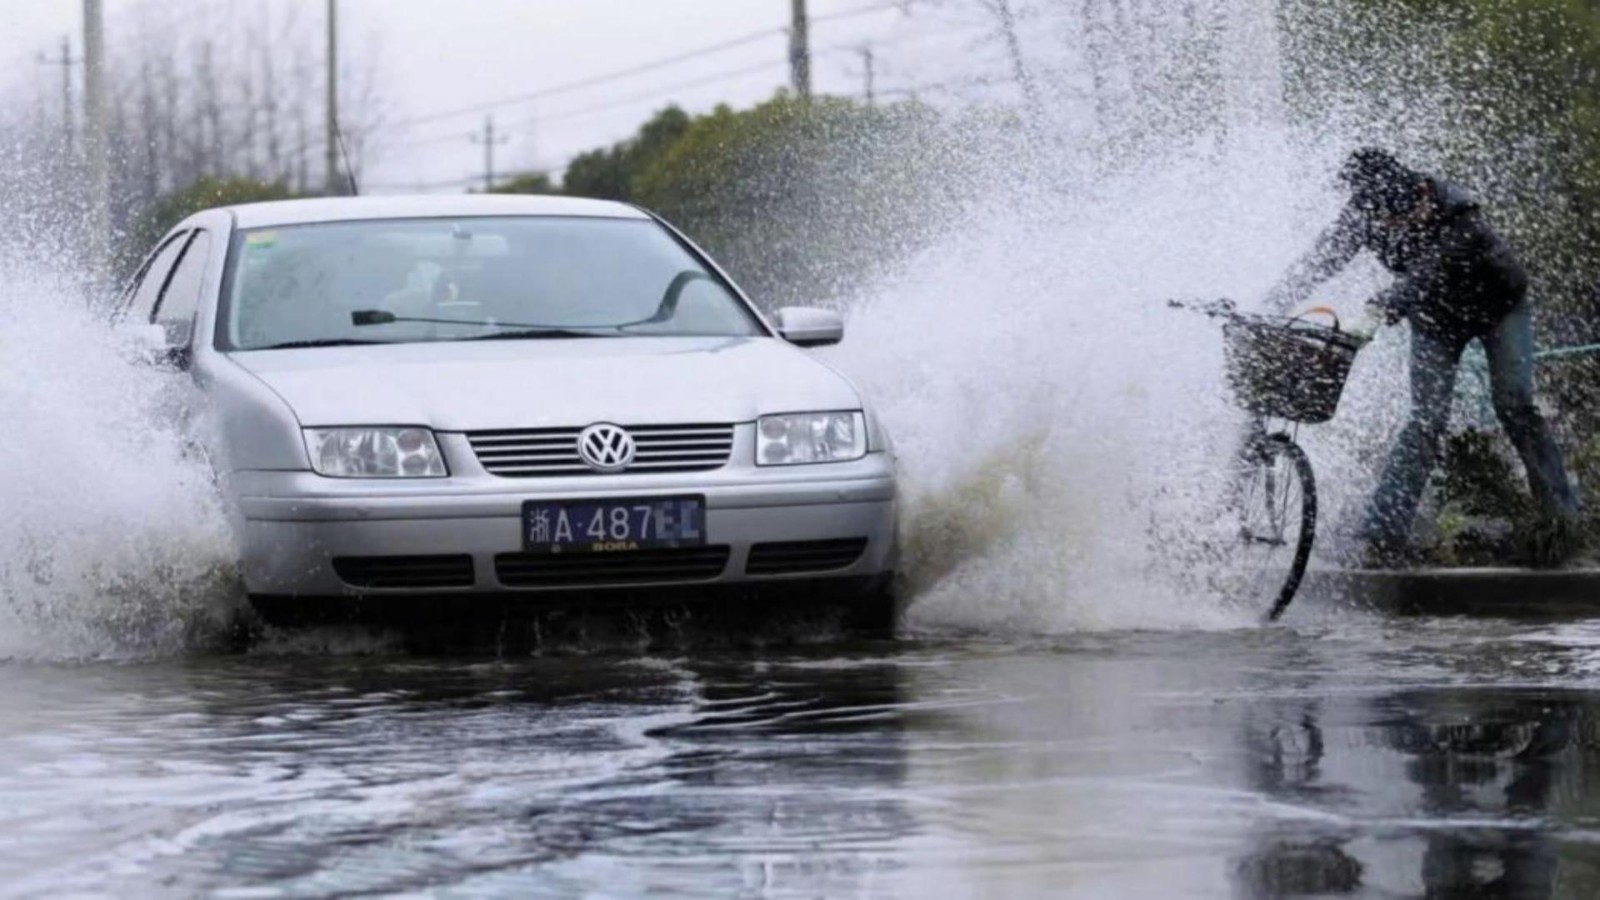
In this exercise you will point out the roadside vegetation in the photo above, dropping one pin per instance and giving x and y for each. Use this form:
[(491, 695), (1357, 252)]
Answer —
[(799, 199)]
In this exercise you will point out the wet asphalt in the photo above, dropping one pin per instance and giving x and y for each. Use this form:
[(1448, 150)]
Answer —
[(1352, 757)]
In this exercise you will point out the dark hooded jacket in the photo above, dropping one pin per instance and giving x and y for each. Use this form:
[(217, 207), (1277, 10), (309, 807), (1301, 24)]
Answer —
[(1454, 274)]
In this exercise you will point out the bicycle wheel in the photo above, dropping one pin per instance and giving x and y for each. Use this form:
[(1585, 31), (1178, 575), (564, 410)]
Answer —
[(1277, 517)]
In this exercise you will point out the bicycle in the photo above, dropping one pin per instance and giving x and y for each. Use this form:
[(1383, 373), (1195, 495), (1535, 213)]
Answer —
[(1279, 369)]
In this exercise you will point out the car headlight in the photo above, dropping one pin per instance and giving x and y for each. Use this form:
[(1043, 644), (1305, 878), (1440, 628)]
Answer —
[(375, 453), (801, 438)]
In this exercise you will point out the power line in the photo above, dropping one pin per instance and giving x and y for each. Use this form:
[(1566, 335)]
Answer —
[(912, 90), (725, 75), (452, 137), (906, 38), (581, 83), (713, 78), (653, 65), (659, 93), (858, 11)]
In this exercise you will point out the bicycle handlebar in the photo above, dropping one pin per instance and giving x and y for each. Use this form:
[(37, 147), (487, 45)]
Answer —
[(1226, 309), (1213, 308)]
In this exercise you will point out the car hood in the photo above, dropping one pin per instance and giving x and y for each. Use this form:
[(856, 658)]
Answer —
[(482, 385)]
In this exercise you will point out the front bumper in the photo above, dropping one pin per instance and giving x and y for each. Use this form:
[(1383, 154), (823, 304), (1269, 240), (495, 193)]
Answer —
[(296, 524)]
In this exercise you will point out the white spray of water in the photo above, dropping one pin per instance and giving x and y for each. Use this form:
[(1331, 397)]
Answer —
[(1057, 423), (113, 540), (1061, 431)]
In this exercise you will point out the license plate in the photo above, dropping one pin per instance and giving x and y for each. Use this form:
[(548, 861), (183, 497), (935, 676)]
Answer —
[(610, 526)]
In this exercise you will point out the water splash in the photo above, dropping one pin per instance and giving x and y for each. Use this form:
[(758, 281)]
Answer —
[(1061, 430), (113, 539), (1056, 423)]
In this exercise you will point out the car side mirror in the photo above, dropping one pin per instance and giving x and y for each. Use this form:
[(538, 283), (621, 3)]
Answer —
[(177, 357), (808, 327), (175, 340)]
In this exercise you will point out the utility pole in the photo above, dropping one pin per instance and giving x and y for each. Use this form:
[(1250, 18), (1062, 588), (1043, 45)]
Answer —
[(866, 63), (96, 142), (332, 184), (66, 62), (1007, 19), (488, 139), (800, 50)]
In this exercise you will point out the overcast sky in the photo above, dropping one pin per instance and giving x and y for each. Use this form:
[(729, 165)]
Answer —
[(430, 57)]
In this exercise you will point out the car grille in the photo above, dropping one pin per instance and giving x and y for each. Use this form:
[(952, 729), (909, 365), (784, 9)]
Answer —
[(628, 567), (804, 556), (550, 452), (405, 571)]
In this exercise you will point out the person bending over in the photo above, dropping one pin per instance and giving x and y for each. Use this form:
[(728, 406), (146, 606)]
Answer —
[(1456, 281)]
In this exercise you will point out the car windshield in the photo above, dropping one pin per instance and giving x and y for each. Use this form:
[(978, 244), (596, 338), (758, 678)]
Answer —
[(412, 280)]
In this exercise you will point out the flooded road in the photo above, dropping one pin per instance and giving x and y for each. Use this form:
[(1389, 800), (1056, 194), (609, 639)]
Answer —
[(1364, 758)]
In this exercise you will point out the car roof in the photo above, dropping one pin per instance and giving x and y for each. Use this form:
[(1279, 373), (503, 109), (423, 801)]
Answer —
[(346, 209)]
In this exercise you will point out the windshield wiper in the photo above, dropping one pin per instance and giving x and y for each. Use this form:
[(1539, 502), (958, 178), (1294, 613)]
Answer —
[(537, 333), (324, 342), (521, 330)]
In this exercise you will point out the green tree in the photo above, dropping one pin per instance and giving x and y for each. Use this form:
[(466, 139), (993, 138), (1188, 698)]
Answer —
[(179, 205), (805, 200), (608, 173), (527, 183), (601, 173)]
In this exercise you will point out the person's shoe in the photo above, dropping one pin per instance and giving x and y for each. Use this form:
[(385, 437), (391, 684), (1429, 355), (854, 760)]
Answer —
[(1553, 542)]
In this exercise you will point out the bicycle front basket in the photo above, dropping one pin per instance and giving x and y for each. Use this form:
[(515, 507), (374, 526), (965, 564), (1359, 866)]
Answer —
[(1293, 371)]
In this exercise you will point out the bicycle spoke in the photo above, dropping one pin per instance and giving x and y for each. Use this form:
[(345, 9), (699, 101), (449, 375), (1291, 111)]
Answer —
[(1270, 510), (1271, 486)]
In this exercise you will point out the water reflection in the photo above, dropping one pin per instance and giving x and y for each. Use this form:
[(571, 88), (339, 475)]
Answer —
[(1494, 763), (321, 777), (1253, 765), (1446, 793), (1287, 750)]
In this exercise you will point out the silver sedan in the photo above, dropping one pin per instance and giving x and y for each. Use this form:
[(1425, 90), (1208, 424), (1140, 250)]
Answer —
[(421, 402)]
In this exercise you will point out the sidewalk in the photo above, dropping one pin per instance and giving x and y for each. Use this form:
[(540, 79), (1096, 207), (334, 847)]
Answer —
[(1497, 592)]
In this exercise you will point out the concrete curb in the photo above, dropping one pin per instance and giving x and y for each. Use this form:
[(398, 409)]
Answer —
[(1497, 593)]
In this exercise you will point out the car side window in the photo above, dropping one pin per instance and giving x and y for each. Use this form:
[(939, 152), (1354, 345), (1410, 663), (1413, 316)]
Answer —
[(154, 277), (176, 308)]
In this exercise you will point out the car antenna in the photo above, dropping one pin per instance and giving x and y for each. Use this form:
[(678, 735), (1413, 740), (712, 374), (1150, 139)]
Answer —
[(349, 173)]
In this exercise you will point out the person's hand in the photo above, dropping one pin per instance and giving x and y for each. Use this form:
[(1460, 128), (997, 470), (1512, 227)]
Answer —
[(1362, 332), (1387, 308)]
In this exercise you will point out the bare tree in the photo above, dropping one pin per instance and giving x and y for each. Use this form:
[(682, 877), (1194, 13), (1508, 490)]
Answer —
[(226, 90), (1005, 17)]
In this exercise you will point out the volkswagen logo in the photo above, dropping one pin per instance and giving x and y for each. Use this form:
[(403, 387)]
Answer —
[(606, 448)]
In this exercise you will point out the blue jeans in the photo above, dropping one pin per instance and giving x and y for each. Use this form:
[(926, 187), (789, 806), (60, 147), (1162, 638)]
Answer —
[(1434, 358)]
